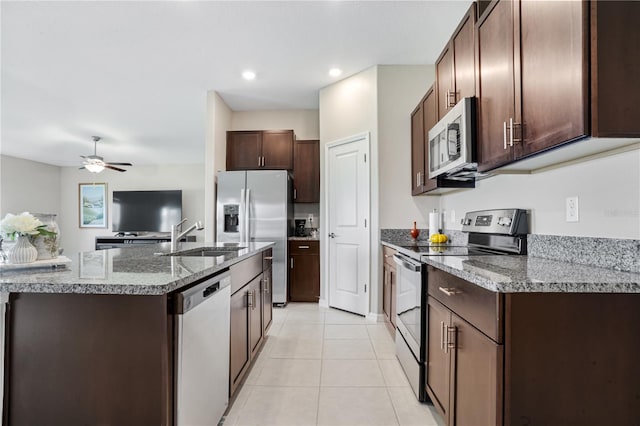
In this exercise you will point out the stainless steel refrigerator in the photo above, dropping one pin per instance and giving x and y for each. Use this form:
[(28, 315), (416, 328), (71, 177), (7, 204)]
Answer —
[(256, 206)]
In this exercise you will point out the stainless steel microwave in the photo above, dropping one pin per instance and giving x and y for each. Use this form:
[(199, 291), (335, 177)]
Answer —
[(452, 141)]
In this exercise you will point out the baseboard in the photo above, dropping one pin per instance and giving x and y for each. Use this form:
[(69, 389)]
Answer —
[(373, 317), (323, 303)]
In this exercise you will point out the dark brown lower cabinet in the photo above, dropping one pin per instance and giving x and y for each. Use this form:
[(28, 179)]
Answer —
[(304, 271), (389, 286), (251, 311), (531, 358)]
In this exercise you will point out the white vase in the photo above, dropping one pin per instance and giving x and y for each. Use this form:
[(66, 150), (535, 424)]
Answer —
[(22, 251), (47, 245)]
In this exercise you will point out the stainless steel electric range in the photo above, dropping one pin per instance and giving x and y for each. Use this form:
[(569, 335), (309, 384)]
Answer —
[(490, 232)]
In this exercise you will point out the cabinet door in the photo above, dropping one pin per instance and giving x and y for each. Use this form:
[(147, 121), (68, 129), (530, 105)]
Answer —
[(495, 85), (277, 149), (306, 171), (392, 302), (477, 377), (304, 278), (267, 299), (386, 292), (239, 340), (438, 357), (444, 80), (554, 75), (244, 150), (417, 149), (255, 315), (464, 64), (429, 109)]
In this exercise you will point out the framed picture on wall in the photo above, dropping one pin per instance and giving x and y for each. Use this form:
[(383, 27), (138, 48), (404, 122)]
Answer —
[(93, 205)]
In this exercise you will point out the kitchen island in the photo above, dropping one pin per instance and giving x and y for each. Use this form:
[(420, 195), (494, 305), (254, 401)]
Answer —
[(95, 343)]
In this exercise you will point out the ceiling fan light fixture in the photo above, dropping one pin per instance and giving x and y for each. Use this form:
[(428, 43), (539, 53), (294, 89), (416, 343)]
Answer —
[(94, 168)]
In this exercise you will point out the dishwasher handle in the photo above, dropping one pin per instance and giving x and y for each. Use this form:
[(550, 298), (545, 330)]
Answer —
[(407, 263), (193, 296)]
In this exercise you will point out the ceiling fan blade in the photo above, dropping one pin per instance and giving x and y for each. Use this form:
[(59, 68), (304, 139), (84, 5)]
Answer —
[(83, 167), (107, 166), (120, 164), (83, 156)]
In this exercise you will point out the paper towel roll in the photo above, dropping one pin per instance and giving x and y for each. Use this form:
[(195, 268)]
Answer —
[(434, 223)]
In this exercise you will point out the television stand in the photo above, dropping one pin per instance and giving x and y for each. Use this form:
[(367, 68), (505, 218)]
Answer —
[(103, 243)]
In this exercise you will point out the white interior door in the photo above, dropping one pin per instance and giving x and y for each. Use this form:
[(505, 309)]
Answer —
[(348, 217)]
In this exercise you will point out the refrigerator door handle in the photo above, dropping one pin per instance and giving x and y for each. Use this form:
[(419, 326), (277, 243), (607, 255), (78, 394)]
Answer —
[(247, 219), (242, 215)]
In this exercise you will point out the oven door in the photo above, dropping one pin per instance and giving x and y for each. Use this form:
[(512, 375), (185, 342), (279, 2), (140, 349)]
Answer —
[(410, 300)]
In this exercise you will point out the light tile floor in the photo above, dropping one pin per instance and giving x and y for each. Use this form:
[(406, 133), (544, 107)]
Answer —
[(327, 367)]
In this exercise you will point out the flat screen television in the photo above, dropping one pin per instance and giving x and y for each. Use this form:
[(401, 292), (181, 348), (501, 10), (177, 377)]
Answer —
[(146, 211)]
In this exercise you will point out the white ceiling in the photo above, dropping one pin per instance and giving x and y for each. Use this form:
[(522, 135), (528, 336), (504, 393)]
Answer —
[(137, 73)]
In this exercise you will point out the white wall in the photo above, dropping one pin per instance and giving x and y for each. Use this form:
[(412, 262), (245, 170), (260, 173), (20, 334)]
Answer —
[(303, 122), (608, 191), (28, 186), (189, 178), (218, 122), (400, 88), (347, 108)]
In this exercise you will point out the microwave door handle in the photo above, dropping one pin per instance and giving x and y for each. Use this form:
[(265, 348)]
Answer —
[(452, 142)]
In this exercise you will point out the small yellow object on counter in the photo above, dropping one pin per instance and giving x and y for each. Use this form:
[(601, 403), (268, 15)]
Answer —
[(438, 238)]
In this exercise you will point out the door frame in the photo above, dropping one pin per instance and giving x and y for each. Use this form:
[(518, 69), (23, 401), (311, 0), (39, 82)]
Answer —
[(325, 247)]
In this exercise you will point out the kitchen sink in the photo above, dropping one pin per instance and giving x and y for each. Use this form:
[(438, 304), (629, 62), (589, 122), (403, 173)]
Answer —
[(207, 251)]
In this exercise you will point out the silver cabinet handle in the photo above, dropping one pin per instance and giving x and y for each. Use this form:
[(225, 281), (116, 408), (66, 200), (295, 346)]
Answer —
[(451, 343), (295, 194), (442, 335), (303, 247), (291, 263), (259, 161), (445, 342), (504, 133), (250, 299), (262, 161), (268, 258), (448, 101), (266, 285), (510, 131), (451, 291)]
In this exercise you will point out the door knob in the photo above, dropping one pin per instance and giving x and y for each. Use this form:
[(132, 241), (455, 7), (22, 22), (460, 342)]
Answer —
[(332, 235)]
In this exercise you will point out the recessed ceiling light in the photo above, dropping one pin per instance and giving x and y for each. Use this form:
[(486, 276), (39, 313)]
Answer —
[(335, 72), (249, 75)]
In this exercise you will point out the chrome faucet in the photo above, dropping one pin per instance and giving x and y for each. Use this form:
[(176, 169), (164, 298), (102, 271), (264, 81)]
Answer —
[(175, 236)]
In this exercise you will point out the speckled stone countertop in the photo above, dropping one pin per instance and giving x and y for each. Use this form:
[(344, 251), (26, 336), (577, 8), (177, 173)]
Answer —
[(132, 270), (304, 239), (513, 274)]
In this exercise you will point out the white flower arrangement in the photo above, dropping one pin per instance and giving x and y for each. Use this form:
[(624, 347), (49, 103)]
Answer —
[(22, 225)]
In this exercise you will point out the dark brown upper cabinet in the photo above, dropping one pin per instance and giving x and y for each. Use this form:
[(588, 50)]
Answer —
[(306, 171), (455, 68), (260, 150), (549, 73)]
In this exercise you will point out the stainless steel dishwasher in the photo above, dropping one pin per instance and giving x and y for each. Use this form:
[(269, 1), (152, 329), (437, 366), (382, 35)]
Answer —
[(202, 351)]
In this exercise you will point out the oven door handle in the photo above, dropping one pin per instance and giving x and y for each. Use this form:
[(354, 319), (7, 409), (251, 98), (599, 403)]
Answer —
[(406, 263)]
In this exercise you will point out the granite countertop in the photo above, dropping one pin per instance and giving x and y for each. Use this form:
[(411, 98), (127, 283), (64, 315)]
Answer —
[(517, 274), (132, 270)]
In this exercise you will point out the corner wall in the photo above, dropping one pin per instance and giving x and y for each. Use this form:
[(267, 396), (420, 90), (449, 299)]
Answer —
[(27, 185)]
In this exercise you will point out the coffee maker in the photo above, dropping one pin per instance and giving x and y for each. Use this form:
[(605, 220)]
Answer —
[(300, 230)]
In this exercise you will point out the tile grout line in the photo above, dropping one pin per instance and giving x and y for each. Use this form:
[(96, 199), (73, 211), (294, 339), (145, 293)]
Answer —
[(324, 326), (393, 406)]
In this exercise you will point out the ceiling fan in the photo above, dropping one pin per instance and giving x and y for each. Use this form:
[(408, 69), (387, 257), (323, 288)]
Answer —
[(95, 164)]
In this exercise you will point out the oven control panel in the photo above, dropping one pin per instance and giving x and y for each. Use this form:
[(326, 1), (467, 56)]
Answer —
[(503, 221)]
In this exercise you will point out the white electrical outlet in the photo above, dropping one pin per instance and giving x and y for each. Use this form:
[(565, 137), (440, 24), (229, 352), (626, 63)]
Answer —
[(310, 221), (572, 210)]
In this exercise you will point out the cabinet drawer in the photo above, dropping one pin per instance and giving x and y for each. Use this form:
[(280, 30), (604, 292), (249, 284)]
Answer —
[(304, 247), (387, 256), (480, 307), (245, 271)]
